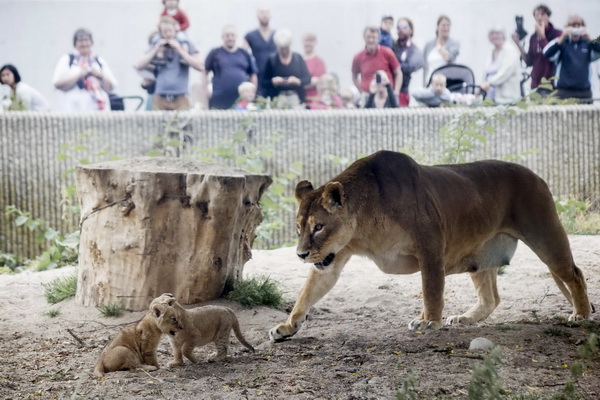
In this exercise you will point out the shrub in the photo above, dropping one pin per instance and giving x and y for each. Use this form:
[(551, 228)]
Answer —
[(60, 288), (257, 291)]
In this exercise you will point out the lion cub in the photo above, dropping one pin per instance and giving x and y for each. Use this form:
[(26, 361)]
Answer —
[(135, 347), (201, 326)]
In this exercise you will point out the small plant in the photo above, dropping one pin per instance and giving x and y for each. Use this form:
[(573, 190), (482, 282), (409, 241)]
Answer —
[(257, 291), (535, 316), (52, 313), (485, 382), (111, 309), (556, 331), (577, 217), (10, 263), (60, 288), (62, 249), (409, 387)]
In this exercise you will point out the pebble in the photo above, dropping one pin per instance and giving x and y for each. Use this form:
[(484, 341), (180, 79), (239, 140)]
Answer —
[(481, 344)]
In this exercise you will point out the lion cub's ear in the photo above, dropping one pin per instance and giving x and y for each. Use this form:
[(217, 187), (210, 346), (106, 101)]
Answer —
[(158, 310), (332, 198), (302, 189)]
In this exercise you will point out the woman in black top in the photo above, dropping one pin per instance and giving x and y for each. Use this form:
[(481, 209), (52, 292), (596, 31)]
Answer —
[(286, 74), (381, 93)]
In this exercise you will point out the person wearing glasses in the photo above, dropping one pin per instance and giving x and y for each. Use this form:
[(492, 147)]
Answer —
[(573, 53), (409, 55), (83, 78)]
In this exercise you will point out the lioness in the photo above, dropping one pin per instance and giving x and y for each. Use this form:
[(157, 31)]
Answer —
[(438, 220), (135, 347), (201, 325)]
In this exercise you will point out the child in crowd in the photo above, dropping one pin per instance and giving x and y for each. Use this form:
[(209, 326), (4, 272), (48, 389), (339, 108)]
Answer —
[(434, 94), (247, 91), (168, 53), (172, 10), (327, 94), (437, 93)]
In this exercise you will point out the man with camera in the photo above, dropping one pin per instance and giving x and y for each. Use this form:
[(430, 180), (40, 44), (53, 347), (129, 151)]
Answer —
[(573, 52), (534, 57), (172, 60)]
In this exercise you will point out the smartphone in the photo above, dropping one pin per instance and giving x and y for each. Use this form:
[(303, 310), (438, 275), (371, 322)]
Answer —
[(378, 78)]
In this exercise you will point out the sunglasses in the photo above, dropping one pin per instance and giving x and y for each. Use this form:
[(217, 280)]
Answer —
[(402, 26)]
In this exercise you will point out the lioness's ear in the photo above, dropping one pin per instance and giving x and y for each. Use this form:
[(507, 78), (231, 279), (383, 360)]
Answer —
[(302, 188), (332, 198)]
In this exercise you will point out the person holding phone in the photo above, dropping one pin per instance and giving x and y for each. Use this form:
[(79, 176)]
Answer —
[(573, 53), (381, 93)]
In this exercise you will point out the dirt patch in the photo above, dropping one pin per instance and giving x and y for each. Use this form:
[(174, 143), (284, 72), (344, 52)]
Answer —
[(356, 344)]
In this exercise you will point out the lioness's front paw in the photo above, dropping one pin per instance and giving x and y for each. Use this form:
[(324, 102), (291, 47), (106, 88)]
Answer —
[(459, 319), (283, 331), (577, 317), (420, 325)]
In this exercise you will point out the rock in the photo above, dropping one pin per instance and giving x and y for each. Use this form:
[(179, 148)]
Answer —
[(481, 344)]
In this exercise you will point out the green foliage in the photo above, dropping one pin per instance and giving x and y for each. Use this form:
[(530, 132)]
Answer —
[(52, 313), (241, 152), (62, 249), (111, 309), (61, 288), (10, 263), (257, 291), (485, 381), (409, 387), (577, 217)]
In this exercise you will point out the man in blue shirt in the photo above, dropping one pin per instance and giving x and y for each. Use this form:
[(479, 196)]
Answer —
[(173, 60), (573, 53), (230, 66)]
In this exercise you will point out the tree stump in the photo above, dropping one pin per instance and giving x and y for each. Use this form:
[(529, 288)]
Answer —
[(156, 225)]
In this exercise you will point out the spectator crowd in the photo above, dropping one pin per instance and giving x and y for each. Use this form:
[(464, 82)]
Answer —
[(263, 70)]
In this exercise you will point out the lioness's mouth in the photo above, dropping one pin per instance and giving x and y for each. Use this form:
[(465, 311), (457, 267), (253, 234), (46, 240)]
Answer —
[(328, 260)]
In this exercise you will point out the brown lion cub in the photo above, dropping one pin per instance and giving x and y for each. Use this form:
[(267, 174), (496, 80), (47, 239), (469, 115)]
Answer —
[(201, 326), (135, 347)]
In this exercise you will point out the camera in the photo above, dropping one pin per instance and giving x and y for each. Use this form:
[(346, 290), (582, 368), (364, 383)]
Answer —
[(520, 30), (377, 78)]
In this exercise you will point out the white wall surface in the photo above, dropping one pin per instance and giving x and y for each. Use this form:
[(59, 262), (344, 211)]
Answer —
[(35, 33)]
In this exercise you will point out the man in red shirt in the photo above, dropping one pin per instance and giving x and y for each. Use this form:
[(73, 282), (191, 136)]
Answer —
[(373, 58)]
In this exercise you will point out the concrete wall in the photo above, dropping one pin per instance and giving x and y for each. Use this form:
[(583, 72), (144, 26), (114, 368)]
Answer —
[(566, 140), (35, 33)]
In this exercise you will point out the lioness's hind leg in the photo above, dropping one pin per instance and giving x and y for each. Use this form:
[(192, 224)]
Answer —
[(551, 244), (487, 298)]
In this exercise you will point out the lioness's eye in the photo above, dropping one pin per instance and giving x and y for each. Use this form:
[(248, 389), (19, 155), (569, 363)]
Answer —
[(318, 227), (174, 319)]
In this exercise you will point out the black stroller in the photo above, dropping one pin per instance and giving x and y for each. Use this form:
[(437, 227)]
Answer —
[(459, 79)]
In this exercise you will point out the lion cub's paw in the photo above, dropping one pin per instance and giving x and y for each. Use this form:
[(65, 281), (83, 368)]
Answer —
[(420, 325), (174, 363), (282, 332), (458, 320)]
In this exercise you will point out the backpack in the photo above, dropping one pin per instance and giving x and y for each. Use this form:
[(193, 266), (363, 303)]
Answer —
[(116, 102)]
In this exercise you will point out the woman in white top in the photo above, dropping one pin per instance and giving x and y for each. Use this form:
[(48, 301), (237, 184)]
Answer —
[(19, 96), (503, 72), (439, 51), (83, 78)]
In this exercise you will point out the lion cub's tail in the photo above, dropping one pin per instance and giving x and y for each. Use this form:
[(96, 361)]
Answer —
[(99, 370), (240, 337)]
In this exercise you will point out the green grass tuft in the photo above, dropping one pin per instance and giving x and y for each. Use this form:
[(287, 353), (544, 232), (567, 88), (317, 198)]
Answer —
[(60, 288), (52, 313), (111, 310), (257, 291)]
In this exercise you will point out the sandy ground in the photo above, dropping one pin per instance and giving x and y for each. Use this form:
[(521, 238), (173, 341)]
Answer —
[(356, 344)]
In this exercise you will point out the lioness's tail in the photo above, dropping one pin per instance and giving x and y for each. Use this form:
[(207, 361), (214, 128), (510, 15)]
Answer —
[(240, 337)]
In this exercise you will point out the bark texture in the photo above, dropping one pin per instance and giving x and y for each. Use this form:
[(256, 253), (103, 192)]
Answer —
[(155, 225)]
